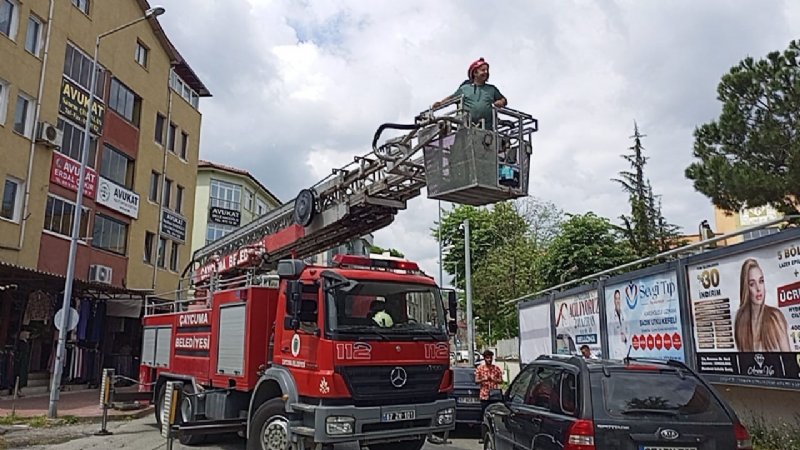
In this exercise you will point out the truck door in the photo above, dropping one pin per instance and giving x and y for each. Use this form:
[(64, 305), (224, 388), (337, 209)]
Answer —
[(299, 347)]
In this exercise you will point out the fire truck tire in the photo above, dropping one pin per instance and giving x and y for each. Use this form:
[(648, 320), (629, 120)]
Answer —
[(403, 445), (269, 427), (185, 414), (160, 403)]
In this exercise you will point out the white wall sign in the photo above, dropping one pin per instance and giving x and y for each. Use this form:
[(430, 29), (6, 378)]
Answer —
[(118, 198)]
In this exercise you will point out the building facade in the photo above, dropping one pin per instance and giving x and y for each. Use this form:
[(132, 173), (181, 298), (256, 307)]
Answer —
[(226, 198), (141, 164), (728, 222)]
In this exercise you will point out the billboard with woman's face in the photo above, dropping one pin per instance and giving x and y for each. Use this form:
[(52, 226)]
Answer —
[(644, 318), (746, 313)]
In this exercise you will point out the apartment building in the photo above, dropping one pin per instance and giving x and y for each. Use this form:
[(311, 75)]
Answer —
[(139, 184), (226, 198)]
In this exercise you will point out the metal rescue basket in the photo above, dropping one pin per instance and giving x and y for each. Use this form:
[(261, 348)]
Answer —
[(477, 165)]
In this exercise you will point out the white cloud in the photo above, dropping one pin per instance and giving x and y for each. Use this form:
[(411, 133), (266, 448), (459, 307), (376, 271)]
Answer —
[(301, 86)]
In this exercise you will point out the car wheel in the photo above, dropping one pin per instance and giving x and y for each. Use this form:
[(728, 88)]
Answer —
[(185, 414), (160, 403), (269, 427)]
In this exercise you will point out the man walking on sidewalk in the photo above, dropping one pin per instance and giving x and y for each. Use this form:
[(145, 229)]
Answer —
[(489, 377)]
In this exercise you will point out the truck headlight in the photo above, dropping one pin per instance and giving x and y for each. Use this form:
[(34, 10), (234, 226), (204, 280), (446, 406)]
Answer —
[(445, 416), (336, 425)]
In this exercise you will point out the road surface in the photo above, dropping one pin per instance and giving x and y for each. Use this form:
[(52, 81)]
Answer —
[(142, 434)]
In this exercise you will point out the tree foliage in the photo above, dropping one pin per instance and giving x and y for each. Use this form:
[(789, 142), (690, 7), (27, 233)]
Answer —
[(380, 250), (646, 229), (587, 244), (750, 155)]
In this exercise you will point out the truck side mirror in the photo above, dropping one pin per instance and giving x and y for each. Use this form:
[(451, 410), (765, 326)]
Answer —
[(293, 297), (452, 327), (452, 304)]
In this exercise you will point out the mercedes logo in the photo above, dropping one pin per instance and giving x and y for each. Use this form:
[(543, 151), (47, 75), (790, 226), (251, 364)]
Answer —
[(398, 377), (667, 433)]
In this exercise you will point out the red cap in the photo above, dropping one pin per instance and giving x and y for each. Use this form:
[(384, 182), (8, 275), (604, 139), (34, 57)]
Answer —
[(474, 66)]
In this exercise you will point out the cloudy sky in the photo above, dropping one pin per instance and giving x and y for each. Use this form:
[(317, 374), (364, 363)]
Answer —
[(300, 86)]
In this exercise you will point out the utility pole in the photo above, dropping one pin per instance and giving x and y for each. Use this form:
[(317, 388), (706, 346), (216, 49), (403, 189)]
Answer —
[(468, 274)]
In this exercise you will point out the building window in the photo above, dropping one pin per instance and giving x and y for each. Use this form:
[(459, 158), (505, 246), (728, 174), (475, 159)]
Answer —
[(58, 215), (167, 198), (110, 234), (141, 54), (155, 180), (160, 120), (216, 231), (149, 239), (72, 145), (3, 100), (173, 257), (180, 86), (9, 17), (78, 68), (179, 199), (33, 40), (83, 5), (162, 252), (23, 116), (123, 100), (261, 207), (248, 200), (226, 195), (117, 167), (755, 234), (184, 144), (12, 194), (171, 137)]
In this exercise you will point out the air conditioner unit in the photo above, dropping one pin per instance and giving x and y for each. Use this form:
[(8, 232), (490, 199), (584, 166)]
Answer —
[(49, 135), (100, 274)]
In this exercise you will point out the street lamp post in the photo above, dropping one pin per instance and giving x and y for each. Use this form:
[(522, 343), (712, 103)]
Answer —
[(55, 385), (468, 280)]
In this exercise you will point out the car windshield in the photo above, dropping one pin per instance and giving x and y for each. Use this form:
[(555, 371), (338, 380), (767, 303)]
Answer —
[(632, 393), (381, 308)]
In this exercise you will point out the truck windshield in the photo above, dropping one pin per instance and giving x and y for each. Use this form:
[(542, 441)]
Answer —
[(383, 309)]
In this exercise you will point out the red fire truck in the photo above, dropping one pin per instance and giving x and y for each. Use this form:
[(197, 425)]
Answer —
[(298, 356)]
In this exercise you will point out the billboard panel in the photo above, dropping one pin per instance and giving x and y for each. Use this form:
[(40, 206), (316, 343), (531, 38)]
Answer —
[(534, 332), (746, 315), (578, 323), (644, 318)]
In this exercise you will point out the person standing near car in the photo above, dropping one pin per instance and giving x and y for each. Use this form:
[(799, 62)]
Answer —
[(489, 376)]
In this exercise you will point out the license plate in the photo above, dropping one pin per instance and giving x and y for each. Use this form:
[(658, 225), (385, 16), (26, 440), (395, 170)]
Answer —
[(396, 416), (661, 447), (469, 400)]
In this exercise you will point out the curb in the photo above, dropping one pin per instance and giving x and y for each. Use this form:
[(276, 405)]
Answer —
[(118, 417)]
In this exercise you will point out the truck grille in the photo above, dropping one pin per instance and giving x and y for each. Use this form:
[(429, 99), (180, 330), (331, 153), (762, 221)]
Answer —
[(373, 384)]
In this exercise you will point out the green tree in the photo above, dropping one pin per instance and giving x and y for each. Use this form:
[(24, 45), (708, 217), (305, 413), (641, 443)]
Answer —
[(489, 228), (750, 155), (646, 229), (380, 250), (587, 244)]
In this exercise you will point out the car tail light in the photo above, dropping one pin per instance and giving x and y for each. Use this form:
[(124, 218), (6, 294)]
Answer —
[(580, 436), (743, 441)]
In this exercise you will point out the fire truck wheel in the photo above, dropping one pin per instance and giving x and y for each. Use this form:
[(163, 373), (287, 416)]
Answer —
[(160, 403), (269, 428), (186, 414), (403, 445)]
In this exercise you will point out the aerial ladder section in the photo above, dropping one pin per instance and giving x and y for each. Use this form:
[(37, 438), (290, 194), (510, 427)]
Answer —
[(461, 162)]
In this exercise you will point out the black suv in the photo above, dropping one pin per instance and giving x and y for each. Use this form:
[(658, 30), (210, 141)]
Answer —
[(570, 403)]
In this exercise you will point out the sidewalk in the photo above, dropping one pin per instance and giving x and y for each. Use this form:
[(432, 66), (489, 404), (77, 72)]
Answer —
[(83, 404)]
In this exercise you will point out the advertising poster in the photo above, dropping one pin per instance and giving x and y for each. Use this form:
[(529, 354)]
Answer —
[(534, 332), (644, 318), (578, 323), (746, 312)]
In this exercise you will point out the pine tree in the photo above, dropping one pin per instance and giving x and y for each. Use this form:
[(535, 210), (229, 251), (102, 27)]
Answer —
[(646, 229)]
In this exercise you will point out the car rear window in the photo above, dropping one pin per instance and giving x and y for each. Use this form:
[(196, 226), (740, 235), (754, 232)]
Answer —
[(667, 394), (464, 376)]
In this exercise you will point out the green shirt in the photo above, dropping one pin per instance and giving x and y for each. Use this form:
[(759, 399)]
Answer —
[(478, 101)]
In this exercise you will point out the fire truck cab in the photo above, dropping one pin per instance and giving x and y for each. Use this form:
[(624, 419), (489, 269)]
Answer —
[(354, 352)]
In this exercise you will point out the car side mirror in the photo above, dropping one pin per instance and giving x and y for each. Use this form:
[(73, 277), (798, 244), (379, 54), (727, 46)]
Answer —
[(452, 303), (294, 291), (496, 396)]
